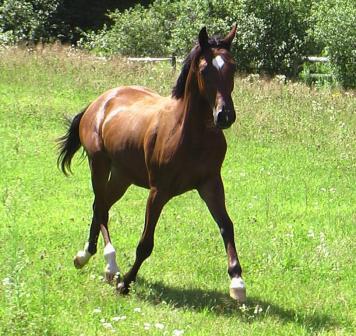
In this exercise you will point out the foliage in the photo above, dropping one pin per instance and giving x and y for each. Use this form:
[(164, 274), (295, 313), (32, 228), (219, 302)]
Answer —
[(271, 35), (135, 32), (191, 16), (317, 73), (27, 20), (335, 30), (276, 34), (46, 20)]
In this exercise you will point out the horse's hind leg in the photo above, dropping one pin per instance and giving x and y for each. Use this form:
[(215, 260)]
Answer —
[(105, 195), (116, 187), (100, 170)]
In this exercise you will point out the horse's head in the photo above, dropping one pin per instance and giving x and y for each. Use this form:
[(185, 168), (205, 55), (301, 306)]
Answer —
[(215, 74)]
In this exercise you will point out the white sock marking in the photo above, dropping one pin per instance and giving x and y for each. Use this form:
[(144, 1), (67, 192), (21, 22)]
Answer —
[(237, 283), (238, 289), (110, 257), (218, 62)]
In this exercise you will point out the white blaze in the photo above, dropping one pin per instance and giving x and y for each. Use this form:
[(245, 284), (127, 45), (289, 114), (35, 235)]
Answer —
[(218, 62)]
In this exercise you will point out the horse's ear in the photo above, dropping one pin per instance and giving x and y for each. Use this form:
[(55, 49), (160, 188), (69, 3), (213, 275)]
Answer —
[(227, 41), (203, 38)]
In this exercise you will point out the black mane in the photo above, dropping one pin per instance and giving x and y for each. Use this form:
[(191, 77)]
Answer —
[(179, 87)]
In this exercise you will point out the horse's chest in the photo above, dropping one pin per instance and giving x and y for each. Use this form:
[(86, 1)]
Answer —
[(183, 164), (195, 155), (189, 169), (202, 160)]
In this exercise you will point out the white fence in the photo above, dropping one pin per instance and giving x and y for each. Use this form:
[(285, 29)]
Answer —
[(173, 59)]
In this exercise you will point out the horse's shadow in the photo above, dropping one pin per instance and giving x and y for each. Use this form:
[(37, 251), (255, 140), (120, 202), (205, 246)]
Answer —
[(220, 304)]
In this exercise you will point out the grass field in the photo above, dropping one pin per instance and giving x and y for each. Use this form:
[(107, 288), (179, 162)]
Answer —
[(290, 187)]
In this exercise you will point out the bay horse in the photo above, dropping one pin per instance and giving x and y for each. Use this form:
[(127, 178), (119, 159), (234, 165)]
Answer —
[(168, 145)]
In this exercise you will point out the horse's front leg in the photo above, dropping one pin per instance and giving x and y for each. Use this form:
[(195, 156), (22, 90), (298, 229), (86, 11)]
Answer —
[(212, 192), (156, 201)]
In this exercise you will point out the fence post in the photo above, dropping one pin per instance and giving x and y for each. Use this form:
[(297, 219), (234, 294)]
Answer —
[(174, 61)]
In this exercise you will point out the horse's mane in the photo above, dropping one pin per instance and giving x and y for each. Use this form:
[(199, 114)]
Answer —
[(179, 87)]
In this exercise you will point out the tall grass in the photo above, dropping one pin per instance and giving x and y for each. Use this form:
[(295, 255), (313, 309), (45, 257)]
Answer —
[(290, 187)]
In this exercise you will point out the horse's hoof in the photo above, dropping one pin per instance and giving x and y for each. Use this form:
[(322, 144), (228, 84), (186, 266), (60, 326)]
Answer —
[(80, 260), (77, 263), (238, 290), (122, 288), (82, 257)]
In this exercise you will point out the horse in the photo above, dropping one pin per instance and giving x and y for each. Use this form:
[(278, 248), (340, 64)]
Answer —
[(169, 145)]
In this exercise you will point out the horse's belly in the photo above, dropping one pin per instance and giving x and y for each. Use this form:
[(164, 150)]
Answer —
[(131, 165), (181, 176)]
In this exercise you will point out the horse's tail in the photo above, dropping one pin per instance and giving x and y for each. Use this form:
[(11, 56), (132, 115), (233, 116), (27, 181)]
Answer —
[(69, 143)]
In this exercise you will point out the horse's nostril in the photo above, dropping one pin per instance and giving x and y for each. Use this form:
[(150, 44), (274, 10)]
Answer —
[(222, 118)]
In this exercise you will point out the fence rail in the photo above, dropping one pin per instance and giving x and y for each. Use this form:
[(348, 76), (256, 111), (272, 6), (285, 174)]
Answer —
[(173, 59), (316, 59)]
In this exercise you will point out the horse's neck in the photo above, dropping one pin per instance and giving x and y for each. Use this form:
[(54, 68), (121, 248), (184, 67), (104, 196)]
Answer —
[(196, 115)]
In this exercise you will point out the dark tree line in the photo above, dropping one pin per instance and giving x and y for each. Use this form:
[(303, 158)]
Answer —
[(64, 20)]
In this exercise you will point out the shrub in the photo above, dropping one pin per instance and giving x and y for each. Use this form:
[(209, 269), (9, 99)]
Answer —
[(26, 20), (277, 33), (271, 35), (47, 20), (137, 32), (335, 30), (190, 17)]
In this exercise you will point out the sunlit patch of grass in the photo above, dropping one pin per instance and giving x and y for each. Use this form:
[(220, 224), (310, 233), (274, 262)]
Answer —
[(290, 188)]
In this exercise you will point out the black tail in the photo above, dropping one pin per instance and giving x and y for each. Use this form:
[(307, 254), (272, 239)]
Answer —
[(69, 143)]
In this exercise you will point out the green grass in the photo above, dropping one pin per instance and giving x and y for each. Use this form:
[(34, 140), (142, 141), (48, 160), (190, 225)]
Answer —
[(290, 187)]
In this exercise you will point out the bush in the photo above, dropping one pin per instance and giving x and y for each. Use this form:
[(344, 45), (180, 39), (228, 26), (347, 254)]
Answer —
[(335, 30), (26, 20), (137, 31), (191, 16), (270, 39), (274, 35), (47, 20)]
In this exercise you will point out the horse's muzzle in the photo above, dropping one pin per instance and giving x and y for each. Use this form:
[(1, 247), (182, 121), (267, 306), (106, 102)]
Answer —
[(224, 119)]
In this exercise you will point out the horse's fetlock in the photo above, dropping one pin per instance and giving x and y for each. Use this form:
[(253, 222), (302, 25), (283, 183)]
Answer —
[(235, 270)]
